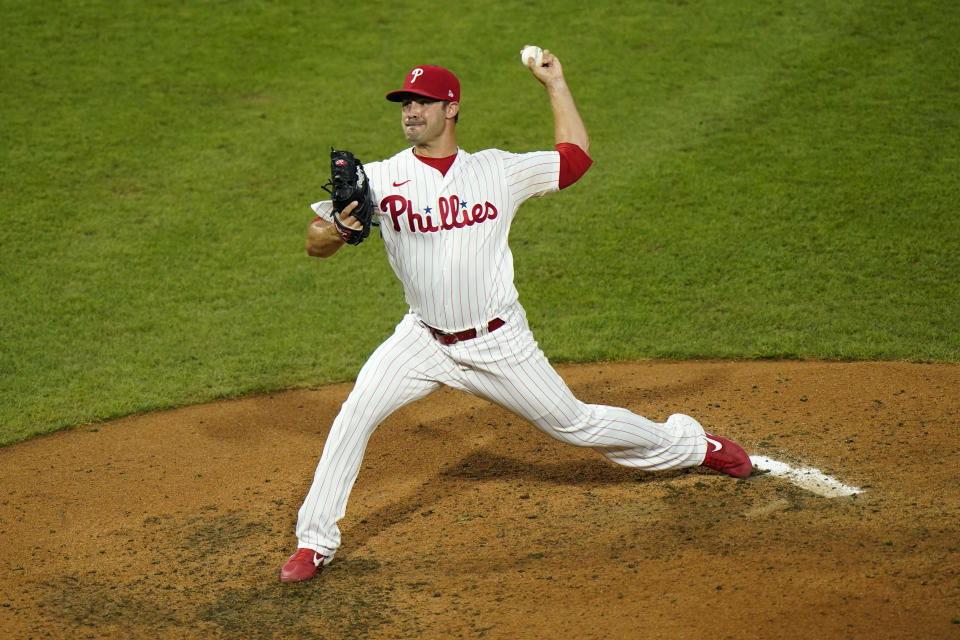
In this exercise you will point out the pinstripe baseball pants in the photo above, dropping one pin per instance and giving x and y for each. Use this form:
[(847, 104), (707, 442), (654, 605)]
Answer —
[(505, 367)]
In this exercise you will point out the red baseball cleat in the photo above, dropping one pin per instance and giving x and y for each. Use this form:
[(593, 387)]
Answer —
[(726, 456), (302, 565)]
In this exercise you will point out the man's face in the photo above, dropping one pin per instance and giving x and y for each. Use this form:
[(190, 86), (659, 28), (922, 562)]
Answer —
[(423, 119)]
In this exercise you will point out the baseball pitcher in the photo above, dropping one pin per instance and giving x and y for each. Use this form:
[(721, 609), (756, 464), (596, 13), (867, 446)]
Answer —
[(444, 216)]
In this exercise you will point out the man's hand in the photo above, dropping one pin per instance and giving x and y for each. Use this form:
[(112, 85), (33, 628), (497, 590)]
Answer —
[(349, 185), (549, 71), (347, 219)]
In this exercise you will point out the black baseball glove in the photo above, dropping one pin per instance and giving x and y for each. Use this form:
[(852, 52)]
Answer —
[(348, 183)]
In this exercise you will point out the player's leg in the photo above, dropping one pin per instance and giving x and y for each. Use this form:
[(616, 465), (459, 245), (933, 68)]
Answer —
[(536, 392), (511, 370), (401, 370)]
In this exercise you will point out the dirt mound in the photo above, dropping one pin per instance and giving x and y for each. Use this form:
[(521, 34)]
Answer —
[(467, 522)]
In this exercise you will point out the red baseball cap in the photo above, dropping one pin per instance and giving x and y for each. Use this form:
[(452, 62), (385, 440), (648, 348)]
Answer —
[(429, 81)]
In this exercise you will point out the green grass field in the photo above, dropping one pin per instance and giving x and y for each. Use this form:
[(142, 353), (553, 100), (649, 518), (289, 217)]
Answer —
[(771, 180)]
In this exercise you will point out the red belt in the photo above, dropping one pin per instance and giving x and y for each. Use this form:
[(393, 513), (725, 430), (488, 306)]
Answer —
[(452, 338)]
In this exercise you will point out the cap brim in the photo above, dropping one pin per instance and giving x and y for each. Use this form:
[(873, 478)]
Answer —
[(400, 94)]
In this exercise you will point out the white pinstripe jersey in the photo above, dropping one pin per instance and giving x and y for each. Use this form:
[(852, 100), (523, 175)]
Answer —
[(446, 236)]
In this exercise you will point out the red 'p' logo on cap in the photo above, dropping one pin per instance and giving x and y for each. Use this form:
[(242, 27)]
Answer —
[(416, 73)]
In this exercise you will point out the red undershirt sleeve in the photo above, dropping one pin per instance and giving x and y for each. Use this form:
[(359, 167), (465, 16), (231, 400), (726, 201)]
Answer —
[(574, 162)]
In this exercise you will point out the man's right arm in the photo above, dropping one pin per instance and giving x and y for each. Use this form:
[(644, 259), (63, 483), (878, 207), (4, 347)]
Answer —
[(322, 238)]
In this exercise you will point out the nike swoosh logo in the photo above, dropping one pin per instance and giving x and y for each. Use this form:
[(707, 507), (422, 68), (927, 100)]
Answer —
[(317, 559), (400, 184), (715, 443)]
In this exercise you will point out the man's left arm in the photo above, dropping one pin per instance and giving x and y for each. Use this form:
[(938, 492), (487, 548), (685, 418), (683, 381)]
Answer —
[(570, 134), (568, 126)]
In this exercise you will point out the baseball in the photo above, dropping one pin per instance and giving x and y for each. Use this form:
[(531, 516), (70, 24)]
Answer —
[(531, 52)]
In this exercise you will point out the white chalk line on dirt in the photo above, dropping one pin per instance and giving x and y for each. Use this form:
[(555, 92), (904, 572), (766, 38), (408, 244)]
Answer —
[(812, 480)]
